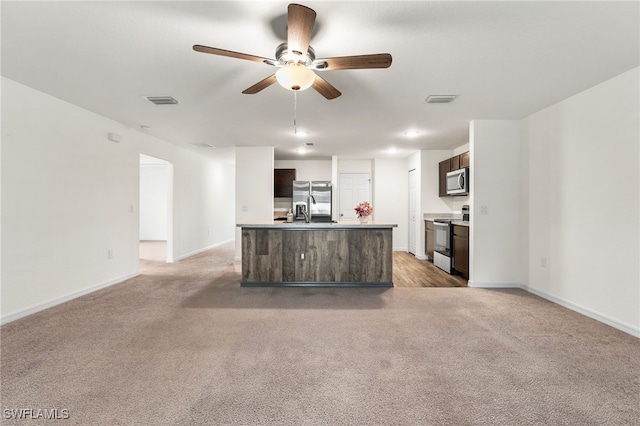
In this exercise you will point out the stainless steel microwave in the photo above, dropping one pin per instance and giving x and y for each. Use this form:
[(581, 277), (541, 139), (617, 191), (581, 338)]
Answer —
[(458, 182)]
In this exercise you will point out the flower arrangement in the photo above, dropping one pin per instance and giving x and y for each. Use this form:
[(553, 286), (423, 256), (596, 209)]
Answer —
[(363, 209)]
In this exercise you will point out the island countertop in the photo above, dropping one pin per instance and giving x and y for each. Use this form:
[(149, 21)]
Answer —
[(301, 225), (318, 254)]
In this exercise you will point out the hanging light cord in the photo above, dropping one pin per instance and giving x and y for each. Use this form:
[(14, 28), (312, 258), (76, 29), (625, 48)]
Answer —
[(295, 111)]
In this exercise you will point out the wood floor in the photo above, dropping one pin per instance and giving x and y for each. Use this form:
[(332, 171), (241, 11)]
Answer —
[(408, 271)]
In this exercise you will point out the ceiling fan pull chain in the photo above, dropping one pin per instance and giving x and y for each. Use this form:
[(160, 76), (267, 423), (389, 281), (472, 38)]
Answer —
[(295, 113)]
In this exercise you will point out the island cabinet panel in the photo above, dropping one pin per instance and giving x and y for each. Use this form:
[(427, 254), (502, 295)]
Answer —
[(317, 257), (461, 250)]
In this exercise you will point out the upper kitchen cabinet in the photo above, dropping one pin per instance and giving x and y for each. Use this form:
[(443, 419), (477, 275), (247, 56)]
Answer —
[(283, 182), (464, 159), (445, 167), (448, 165)]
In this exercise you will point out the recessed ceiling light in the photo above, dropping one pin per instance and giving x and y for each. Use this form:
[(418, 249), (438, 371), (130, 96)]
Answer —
[(411, 133), (392, 150), (301, 150), (301, 133)]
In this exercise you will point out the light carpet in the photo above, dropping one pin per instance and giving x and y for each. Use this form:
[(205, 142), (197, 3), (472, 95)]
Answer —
[(184, 344)]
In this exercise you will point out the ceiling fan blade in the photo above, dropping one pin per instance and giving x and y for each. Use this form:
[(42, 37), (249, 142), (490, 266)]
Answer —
[(299, 26), (263, 84), (232, 54), (378, 60), (325, 89)]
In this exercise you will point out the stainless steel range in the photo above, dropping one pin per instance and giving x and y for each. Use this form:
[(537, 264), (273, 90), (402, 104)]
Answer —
[(442, 243)]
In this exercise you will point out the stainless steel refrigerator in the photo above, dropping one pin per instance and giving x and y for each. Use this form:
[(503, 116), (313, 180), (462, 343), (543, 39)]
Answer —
[(313, 198)]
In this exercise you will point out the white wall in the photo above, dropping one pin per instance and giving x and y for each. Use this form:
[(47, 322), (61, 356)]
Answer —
[(354, 166), (254, 187), (431, 202), (415, 162), (69, 196), (307, 169), (495, 203), (154, 181), (203, 197), (390, 197), (582, 209)]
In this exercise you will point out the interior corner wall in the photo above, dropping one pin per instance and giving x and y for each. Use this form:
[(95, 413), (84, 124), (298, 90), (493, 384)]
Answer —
[(390, 201), (495, 203), (69, 196), (431, 200), (254, 188), (583, 206)]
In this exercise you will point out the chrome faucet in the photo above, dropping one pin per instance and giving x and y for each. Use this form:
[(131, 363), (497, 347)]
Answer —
[(307, 217), (303, 209)]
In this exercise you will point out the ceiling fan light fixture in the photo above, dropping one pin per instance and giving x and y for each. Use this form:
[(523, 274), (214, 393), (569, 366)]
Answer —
[(295, 77)]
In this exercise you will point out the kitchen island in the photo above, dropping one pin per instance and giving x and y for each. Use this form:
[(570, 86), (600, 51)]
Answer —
[(342, 254)]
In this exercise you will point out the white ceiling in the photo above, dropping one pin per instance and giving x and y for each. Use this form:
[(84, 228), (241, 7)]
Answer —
[(505, 60)]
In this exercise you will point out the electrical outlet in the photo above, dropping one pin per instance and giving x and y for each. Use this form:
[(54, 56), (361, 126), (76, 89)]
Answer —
[(484, 210), (245, 208), (543, 262), (301, 256), (109, 254)]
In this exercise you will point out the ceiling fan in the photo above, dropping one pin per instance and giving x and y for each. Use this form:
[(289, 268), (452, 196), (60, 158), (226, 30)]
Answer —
[(297, 60)]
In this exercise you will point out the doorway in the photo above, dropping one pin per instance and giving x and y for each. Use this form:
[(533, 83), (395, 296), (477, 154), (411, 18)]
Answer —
[(413, 200), (156, 209), (354, 188)]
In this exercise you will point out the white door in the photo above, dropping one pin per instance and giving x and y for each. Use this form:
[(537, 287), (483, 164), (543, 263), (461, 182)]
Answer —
[(413, 195), (354, 188)]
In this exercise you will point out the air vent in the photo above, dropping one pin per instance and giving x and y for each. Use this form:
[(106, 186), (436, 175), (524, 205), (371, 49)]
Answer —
[(203, 145), (308, 144), (440, 99), (161, 100)]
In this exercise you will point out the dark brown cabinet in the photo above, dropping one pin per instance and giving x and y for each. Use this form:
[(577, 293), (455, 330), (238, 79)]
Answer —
[(461, 250), (455, 162), (448, 165), (445, 167), (283, 182), (428, 238), (464, 159)]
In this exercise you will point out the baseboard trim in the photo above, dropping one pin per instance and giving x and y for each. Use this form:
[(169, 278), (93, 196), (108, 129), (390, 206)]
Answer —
[(58, 300), (193, 253), (586, 312), (626, 328)]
